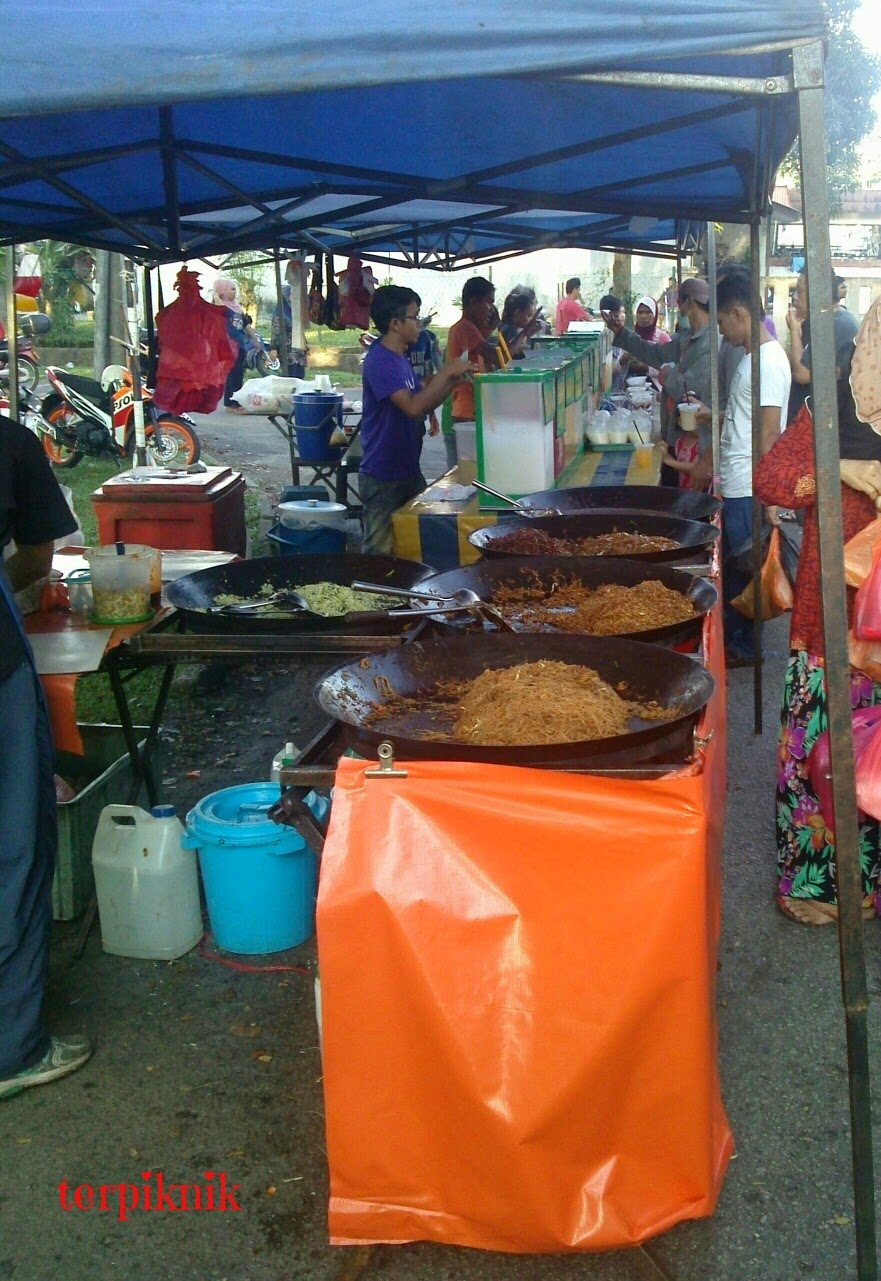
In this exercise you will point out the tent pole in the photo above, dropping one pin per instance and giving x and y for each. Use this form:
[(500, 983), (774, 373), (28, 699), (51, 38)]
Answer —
[(283, 346), (130, 303), (808, 69), (756, 375), (151, 327), (715, 395), (11, 331)]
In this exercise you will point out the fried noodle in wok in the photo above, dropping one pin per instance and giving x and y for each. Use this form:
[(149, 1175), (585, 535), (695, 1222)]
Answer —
[(537, 542), (530, 704), (568, 605)]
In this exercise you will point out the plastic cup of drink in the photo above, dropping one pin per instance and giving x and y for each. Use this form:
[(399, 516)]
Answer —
[(688, 416), (643, 454)]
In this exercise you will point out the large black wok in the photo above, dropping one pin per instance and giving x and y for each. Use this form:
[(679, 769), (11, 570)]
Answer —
[(692, 537), (645, 498), (195, 594), (486, 576), (646, 673)]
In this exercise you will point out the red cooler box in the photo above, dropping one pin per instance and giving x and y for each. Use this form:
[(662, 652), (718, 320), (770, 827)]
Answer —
[(174, 511)]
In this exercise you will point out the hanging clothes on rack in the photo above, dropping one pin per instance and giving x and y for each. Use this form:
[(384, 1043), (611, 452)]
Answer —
[(357, 285)]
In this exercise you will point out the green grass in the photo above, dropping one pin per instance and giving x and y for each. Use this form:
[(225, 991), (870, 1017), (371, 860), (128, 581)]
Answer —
[(321, 337)]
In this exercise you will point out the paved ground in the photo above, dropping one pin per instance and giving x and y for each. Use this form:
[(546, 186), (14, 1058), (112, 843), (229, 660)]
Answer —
[(175, 1082), (254, 445)]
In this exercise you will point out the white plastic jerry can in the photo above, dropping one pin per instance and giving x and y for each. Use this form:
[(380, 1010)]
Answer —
[(146, 882)]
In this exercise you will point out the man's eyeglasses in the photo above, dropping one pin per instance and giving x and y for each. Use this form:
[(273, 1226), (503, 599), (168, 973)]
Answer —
[(417, 318)]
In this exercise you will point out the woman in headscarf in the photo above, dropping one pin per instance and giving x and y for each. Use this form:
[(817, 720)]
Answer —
[(647, 328), (225, 291), (785, 476)]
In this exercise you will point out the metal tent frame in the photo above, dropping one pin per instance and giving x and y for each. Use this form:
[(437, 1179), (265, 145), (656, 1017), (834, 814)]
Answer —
[(288, 218)]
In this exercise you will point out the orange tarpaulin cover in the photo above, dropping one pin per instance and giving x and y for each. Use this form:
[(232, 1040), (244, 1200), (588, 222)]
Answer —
[(517, 978)]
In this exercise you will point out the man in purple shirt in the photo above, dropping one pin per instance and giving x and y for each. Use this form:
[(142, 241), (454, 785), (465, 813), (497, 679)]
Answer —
[(394, 406)]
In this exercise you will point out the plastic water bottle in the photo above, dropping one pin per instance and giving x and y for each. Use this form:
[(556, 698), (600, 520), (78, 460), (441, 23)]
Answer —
[(147, 884), (287, 756)]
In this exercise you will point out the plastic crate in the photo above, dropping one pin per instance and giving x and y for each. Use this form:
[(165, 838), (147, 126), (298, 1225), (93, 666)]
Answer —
[(101, 777)]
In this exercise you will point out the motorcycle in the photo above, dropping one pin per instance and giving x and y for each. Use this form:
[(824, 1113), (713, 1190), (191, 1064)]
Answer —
[(84, 417), (28, 361), (259, 359), (28, 406)]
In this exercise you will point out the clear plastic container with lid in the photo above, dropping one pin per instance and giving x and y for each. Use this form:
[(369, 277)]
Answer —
[(120, 583)]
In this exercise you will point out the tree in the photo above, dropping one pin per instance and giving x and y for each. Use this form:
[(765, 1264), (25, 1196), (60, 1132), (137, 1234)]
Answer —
[(853, 76), (67, 272), (249, 277), (622, 283)]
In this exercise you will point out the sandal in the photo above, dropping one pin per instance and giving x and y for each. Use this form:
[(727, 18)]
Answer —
[(806, 911)]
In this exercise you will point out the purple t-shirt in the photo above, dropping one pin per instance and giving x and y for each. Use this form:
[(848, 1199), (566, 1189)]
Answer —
[(390, 440)]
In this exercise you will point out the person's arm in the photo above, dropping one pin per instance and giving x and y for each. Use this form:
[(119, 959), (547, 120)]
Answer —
[(41, 513), (469, 340), (416, 404), (517, 345), (693, 379), (651, 354), (865, 477), (784, 476), (28, 564), (800, 371)]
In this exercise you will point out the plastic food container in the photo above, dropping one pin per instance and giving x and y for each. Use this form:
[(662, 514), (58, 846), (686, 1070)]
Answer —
[(154, 557), (120, 583), (311, 513), (466, 442), (79, 591)]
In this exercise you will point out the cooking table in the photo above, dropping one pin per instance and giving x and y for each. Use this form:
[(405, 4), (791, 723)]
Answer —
[(436, 531)]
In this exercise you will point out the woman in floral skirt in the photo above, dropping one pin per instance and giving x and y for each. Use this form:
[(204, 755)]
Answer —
[(806, 890)]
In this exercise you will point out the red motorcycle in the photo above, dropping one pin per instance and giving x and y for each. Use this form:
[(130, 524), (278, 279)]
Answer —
[(28, 360), (83, 417)]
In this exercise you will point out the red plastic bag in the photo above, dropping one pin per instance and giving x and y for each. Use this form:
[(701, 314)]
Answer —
[(860, 553), (865, 656), (776, 589), (865, 723), (867, 606), (355, 298), (194, 352), (867, 765)]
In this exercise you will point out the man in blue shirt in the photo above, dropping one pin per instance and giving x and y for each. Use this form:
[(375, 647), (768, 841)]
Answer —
[(394, 406), (32, 513)]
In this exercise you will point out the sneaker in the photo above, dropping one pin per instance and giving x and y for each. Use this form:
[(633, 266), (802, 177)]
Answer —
[(63, 1056)]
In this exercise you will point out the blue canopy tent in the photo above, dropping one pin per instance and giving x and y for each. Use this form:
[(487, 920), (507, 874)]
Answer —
[(356, 132), (447, 133)]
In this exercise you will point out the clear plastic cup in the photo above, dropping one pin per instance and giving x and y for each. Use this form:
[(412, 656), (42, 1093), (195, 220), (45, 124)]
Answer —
[(643, 454), (688, 416)]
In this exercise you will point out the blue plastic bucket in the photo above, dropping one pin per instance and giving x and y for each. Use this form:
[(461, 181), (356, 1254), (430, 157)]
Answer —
[(260, 878), (317, 414), (307, 542)]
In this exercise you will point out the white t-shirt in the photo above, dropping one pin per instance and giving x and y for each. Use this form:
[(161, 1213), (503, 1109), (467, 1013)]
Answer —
[(736, 446)]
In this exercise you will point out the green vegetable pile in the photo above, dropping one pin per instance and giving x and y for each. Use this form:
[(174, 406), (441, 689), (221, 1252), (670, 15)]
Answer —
[(328, 599)]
